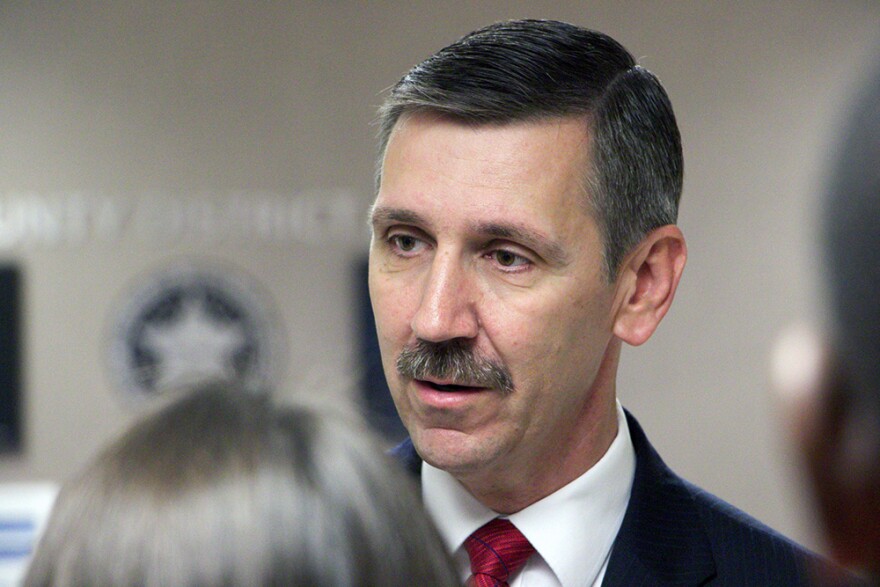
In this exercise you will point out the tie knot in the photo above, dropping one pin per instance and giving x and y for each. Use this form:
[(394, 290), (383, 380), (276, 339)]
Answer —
[(496, 550)]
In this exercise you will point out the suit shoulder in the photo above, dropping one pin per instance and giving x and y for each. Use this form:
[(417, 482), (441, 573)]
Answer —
[(749, 552), (684, 535), (720, 514)]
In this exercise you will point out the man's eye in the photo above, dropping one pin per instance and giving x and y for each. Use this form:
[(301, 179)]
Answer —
[(508, 259), (405, 243)]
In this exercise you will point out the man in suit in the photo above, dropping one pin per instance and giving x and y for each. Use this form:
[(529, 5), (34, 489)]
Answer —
[(523, 230), (829, 379)]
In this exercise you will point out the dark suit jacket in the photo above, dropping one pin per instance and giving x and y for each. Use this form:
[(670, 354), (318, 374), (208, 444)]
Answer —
[(674, 533)]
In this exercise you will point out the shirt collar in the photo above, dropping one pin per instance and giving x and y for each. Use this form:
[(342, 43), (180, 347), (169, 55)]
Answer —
[(573, 528)]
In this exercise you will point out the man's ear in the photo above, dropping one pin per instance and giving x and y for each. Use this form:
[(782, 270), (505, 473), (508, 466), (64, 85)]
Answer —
[(646, 284)]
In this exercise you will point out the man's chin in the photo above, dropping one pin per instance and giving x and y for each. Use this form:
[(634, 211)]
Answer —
[(453, 451)]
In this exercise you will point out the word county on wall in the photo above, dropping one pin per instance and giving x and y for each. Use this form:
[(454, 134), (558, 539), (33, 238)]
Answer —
[(62, 219)]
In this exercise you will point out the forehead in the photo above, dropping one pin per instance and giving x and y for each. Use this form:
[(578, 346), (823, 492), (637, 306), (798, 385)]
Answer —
[(522, 164)]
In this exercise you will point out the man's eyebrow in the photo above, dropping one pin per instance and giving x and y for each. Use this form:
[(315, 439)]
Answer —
[(385, 215), (551, 251)]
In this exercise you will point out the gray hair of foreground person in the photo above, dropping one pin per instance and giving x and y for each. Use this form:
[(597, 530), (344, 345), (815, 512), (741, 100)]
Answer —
[(223, 488), (528, 70)]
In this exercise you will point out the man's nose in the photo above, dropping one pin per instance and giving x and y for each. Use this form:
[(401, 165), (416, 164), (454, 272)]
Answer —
[(447, 307)]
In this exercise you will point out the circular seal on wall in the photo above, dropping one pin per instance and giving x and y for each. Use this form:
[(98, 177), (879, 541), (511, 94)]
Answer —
[(190, 324)]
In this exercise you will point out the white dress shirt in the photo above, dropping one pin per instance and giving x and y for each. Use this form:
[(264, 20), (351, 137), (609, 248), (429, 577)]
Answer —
[(572, 529)]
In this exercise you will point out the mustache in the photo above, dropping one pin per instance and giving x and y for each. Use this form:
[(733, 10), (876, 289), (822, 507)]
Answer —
[(452, 360)]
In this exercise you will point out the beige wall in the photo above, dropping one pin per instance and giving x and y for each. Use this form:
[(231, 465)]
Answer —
[(201, 100)]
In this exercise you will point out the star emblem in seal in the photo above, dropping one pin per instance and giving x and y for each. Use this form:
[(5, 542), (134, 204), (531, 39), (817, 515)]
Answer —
[(188, 325)]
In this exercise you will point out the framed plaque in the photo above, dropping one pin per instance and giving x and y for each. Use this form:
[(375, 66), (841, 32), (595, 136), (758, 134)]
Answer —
[(10, 359)]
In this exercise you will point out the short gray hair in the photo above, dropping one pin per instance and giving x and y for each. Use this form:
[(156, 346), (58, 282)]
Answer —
[(528, 70)]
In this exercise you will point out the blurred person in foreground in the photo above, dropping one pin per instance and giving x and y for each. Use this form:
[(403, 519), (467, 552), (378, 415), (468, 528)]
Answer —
[(222, 488), (523, 231), (829, 380)]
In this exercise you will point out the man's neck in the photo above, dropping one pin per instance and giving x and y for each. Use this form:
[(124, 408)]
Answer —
[(506, 493)]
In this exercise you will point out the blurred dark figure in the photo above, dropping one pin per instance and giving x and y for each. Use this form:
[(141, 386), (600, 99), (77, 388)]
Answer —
[(223, 488), (830, 381)]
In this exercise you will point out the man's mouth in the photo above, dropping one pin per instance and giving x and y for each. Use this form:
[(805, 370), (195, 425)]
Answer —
[(450, 386)]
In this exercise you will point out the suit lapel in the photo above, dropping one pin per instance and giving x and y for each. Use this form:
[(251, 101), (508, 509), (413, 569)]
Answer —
[(661, 541), (405, 453)]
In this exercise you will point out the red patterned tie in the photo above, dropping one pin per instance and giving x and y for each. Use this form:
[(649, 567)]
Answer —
[(497, 550)]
